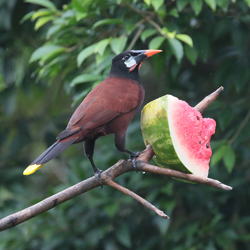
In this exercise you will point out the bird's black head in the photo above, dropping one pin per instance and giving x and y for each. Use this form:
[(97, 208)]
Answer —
[(128, 62)]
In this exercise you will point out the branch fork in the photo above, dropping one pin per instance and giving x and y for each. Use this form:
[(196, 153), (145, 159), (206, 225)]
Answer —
[(107, 178)]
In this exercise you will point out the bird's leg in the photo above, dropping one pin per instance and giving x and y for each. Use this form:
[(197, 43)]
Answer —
[(89, 151), (120, 142), (133, 157)]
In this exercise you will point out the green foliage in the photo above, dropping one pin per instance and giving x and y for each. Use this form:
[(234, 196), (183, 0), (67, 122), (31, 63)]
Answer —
[(70, 46)]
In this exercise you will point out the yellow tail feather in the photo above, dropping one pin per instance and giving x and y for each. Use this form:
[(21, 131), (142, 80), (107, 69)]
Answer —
[(31, 169)]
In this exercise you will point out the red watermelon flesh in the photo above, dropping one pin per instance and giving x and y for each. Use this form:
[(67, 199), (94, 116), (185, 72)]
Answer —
[(179, 135), (194, 133)]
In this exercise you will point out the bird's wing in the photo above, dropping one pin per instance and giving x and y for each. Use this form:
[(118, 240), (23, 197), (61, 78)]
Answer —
[(109, 99)]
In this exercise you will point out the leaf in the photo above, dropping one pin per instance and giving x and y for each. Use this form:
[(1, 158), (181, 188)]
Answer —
[(79, 16), (108, 21), (42, 20), (45, 51), (44, 3), (157, 4), (27, 16), (191, 54), (197, 6), (185, 38), (52, 30), (148, 2), (238, 32), (147, 33), (85, 78), (156, 42), (176, 48), (248, 3), (229, 158), (41, 12), (225, 118), (123, 235), (170, 34), (118, 44), (101, 46), (218, 155), (174, 12), (181, 4), (201, 43), (211, 4), (85, 53), (223, 4)]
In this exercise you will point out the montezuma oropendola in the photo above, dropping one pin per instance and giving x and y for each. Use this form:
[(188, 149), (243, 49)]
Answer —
[(107, 109)]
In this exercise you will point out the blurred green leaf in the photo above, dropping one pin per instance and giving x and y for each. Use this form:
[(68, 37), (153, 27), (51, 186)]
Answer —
[(211, 4), (85, 53), (229, 158), (197, 6), (239, 34), (225, 118), (147, 33), (122, 233), (248, 3), (108, 21), (181, 4), (223, 4), (174, 12), (218, 155), (118, 44), (148, 2), (156, 42), (101, 46), (42, 20), (46, 51), (201, 43), (41, 12), (157, 4), (27, 16), (85, 78), (191, 53), (176, 48), (185, 38), (2, 83), (44, 3)]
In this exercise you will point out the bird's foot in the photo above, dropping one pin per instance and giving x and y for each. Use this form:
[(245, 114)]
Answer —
[(97, 174), (133, 157)]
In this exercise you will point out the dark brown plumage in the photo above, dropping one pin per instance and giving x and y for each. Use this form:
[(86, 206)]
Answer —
[(107, 109)]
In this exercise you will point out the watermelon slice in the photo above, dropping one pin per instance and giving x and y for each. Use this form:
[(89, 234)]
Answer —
[(180, 137)]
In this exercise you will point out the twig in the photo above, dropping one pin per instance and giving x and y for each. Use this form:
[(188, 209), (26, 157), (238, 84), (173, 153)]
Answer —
[(138, 198), (240, 128), (142, 166), (208, 100), (107, 178), (137, 35)]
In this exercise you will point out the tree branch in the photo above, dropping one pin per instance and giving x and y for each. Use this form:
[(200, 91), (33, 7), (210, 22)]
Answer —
[(107, 178)]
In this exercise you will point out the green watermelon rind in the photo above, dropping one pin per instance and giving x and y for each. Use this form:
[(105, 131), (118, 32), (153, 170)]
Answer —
[(158, 135)]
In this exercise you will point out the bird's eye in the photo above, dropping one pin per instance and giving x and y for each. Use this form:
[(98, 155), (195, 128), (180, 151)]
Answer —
[(126, 57)]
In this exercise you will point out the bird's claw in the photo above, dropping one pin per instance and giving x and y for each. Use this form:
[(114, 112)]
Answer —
[(97, 174), (133, 157)]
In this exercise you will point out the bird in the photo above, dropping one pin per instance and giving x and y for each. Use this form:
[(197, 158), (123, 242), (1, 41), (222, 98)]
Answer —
[(107, 109)]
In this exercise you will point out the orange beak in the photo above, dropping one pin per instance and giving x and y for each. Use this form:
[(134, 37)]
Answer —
[(151, 52)]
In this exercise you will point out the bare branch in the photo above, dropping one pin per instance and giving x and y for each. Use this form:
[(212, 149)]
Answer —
[(138, 198), (107, 178), (46, 204), (142, 166)]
